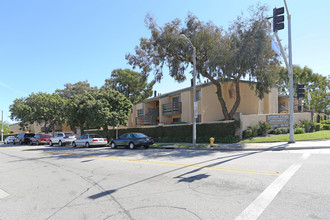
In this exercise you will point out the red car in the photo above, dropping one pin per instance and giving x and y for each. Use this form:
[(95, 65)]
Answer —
[(41, 139)]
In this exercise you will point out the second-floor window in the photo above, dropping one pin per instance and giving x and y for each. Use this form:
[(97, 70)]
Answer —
[(140, 112)]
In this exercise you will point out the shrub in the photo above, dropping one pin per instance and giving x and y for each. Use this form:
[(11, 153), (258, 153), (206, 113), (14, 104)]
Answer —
[(299, 130), (254, 131), (278, 131), (326, 126), (247, 133), (309, 126), (318, 126), (264, 127), (284, 130)]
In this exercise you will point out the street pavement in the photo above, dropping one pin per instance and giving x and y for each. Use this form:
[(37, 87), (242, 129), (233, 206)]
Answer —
[(316, 144), (250, 181)]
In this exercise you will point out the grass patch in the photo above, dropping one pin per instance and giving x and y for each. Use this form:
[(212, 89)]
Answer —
[(319, 135), (185, 145)]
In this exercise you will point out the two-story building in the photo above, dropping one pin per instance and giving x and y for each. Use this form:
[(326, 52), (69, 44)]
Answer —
[(177, 106)]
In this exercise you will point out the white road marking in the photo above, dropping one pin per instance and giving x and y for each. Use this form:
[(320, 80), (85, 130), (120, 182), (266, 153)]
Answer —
[(305, 156), (256, 208), (3, 194)]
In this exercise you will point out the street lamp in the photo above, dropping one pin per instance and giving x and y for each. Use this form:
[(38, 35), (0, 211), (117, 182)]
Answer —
[(194, 89)]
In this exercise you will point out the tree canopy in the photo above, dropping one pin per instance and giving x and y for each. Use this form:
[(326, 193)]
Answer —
[(132, 85), (42, 108), (243, 52), (316, 84)]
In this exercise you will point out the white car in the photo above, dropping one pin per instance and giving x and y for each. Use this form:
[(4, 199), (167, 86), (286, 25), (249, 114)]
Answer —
[(9, 139), (62, 139), (89, 140)]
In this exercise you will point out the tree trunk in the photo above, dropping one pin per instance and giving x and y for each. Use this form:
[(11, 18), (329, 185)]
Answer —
[(237, 101), (106, 131)]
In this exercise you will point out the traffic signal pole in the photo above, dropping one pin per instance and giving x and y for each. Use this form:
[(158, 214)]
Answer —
[(278, 25), (291, 100)]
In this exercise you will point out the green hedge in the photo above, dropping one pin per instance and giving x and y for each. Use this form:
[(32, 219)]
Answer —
[(181, 133)]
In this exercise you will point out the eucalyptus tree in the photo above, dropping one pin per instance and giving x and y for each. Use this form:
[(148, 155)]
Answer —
[(242, 52), (131, 84)]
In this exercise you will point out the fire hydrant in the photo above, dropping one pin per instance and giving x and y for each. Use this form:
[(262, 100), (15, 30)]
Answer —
[(211, 141)]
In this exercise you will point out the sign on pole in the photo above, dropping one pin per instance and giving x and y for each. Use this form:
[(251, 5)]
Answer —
[(276, 48)]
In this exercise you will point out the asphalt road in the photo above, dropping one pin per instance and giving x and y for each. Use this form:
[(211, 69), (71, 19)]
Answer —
[(43, 182)]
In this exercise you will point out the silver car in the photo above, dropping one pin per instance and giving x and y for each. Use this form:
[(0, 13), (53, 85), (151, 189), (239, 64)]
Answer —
[(9, 139), (62, 139), (89, 140)]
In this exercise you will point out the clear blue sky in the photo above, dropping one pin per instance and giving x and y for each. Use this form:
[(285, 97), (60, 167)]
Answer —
[(45, 44)]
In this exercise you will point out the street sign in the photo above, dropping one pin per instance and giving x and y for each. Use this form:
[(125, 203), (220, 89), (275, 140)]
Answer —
[(276, 48), (196, 109)]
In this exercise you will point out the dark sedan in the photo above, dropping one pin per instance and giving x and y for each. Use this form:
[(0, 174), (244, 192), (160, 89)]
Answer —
[(132, 140)]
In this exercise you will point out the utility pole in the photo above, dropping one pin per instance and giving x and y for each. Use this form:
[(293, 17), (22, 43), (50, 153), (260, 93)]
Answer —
[(2, 126), (194, 88)]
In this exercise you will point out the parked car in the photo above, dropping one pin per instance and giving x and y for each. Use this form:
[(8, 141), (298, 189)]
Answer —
[(89, 140), (24, 138), (9, 139), (132, 140), (62, 139), (41, 139)]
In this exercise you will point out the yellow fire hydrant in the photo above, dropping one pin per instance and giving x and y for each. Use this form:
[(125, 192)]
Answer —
[(211, 142)]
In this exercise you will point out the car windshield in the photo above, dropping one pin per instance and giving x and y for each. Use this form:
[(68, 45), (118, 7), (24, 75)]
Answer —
[(139, 135), (68, 134), (94, 136), (47, 136), (29, 135)]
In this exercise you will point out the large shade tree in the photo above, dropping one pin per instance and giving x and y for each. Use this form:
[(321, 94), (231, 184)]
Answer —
[(243, 52), (98, 108), (317, 85), (131, 84), (43, 108)]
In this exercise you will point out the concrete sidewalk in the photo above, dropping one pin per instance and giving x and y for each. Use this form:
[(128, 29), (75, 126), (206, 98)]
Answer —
[(315, 144)]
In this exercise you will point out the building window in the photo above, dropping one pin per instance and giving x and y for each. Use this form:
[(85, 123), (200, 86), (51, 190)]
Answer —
[(199, 118), (140, 112), (176, 120), (198, 95), (176, 99)]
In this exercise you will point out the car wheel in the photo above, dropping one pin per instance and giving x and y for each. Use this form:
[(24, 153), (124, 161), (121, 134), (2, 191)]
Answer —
[(146, 146), (87, 145), (74, 144), (50, 143), (60, 143), (113, 145), (131, 145)]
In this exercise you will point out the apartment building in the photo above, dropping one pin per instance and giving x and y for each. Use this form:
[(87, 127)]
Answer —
[(177, 106)]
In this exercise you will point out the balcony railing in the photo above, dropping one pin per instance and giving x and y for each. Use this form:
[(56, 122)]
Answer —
[(172, 108), (144, 120)]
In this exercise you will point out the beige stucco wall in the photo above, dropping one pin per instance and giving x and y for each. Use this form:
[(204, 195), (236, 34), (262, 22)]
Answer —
[(186, 100), (164, 118), (251, 120), (271, 102)]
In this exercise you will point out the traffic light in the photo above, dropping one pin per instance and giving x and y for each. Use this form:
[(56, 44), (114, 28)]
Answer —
[(301, 91), (278, 19)]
